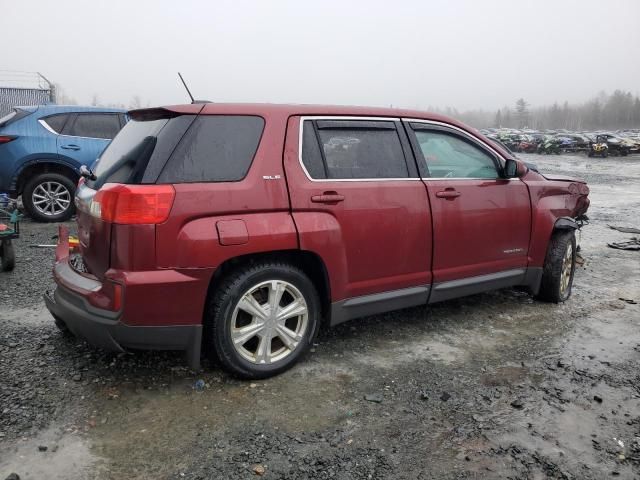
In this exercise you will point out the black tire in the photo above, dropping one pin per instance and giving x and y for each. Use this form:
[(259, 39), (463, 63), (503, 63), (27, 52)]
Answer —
[(605, 154), (8, 255), (219, 317), (41, 179), (551, 287), (590, 154)]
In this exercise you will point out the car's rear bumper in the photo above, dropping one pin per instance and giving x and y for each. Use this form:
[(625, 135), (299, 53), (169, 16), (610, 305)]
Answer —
[(102, 330), (109, 329)]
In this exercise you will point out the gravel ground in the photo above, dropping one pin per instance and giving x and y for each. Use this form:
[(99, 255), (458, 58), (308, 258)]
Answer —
[(490, 386)]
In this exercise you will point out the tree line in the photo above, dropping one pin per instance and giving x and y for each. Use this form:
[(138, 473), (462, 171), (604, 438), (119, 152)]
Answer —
[(619, 110)]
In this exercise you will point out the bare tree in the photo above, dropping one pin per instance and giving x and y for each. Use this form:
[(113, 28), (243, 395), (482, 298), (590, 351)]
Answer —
[(61, 98)]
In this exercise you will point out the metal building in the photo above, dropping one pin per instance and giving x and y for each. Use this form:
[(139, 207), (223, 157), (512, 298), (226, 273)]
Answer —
[(24, 88)]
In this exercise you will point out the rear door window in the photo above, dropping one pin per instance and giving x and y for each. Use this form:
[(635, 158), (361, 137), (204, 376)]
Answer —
[(94, 125), (217, 148), (354, 149)]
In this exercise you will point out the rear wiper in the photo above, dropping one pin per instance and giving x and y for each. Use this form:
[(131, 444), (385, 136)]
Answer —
[(87, 173)]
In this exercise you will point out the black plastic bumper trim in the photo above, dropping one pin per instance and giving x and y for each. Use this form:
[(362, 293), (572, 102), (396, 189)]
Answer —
[(101, 329)]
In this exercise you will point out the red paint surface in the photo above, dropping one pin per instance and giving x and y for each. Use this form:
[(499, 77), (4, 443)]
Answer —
[(381, 236)]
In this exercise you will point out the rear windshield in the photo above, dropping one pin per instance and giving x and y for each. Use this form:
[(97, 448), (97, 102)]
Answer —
[(13, 116), (140, 145), (179, 149)]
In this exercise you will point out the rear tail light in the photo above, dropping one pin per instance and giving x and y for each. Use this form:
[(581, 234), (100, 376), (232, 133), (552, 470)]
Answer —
[(133, 204), (6, 138)]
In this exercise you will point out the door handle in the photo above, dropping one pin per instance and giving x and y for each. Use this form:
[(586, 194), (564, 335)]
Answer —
[(70, 147), (448, 193), (327, 197)]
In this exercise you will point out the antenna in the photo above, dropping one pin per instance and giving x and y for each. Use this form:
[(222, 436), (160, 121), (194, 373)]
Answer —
[(186, 88)]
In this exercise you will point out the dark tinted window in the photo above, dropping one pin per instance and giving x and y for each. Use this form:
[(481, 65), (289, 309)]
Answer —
[(94, 125), (449, 156), (311, 156), (217, 148), (140, 150), (56, 122), (362, 152)]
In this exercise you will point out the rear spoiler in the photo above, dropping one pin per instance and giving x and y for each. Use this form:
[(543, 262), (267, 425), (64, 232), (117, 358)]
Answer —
[(171, 111)]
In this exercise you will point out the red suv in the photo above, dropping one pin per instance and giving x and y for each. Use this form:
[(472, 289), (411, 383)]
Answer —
[(243, 229)]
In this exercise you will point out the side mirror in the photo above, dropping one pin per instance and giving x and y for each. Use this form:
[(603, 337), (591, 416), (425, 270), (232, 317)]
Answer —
[(510, 168)]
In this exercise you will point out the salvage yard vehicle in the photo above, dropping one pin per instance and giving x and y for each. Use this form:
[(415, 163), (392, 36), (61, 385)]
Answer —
[(243, 229), (42, 149), (599, 147), (549, 145), (617, 145)]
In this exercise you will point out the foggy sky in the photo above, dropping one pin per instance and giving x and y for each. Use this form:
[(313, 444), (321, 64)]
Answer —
[(465, 54)]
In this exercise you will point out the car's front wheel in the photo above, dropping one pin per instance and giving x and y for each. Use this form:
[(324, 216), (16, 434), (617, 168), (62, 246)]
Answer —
[(559, 267), (261, 319), (48, 197)]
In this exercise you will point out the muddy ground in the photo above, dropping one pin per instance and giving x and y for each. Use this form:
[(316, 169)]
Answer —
[(490, 386)]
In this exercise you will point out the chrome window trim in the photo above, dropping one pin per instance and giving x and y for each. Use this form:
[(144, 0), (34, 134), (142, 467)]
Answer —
[(474, 139), (342, 117), (42, 122)]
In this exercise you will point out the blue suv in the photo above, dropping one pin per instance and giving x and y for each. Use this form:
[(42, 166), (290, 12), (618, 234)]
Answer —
[(42, 149)]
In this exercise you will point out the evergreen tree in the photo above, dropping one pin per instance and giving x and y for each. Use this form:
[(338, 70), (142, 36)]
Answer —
[(522, 113)]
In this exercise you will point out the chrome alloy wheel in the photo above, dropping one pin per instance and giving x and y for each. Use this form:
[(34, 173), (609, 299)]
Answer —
[(269, 322), (51, 198), (567, 267)]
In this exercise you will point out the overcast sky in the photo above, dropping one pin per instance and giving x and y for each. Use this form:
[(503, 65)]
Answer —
[(465, 54)]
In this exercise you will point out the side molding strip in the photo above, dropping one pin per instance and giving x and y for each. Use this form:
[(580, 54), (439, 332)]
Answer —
[(378, 303), (472, 285)]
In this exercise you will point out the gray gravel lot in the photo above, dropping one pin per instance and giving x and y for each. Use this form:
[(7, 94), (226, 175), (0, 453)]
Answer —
[(490, 386)]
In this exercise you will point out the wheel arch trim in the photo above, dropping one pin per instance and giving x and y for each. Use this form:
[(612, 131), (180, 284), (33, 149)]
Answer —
[(566, 223)]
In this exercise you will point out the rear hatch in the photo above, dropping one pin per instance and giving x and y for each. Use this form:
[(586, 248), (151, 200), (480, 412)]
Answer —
[(122, 195)]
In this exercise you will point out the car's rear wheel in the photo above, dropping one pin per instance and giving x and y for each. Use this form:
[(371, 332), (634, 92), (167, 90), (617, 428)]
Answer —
[(559, 267), (48, 197), (262, 319)]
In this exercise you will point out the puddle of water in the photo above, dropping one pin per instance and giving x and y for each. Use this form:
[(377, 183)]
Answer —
[(68, 457), (140, 428), (419, 350)]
